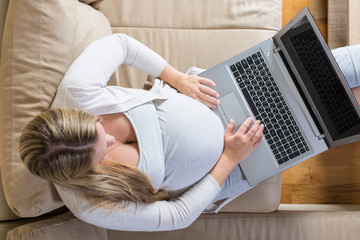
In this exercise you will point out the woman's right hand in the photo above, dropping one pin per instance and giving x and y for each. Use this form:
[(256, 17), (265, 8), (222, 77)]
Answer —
[(239, 145)]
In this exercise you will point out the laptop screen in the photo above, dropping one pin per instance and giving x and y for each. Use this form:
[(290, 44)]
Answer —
[(321, 80)]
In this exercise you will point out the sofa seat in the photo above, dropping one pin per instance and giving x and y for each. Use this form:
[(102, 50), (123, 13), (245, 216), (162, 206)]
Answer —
[(290, 221)]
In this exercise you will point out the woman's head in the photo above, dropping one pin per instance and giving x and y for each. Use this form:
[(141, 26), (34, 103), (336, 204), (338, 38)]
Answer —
[(65, 146), (59, 144)]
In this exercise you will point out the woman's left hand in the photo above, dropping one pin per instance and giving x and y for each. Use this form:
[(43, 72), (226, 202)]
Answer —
[(198, 88)]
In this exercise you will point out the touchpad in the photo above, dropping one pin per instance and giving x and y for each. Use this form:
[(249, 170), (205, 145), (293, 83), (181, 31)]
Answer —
[(232, 108)]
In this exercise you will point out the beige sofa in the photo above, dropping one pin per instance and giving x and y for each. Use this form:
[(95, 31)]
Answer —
[(41, 39)]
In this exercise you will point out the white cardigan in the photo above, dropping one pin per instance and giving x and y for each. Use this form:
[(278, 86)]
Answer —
[(84, 87)]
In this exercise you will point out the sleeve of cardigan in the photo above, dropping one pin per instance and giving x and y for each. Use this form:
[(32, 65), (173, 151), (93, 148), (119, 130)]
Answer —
[(94, 67), (84, 85), (157, 216)]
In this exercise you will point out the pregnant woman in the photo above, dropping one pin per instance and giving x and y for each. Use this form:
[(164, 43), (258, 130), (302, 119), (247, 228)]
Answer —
[(137, 160)]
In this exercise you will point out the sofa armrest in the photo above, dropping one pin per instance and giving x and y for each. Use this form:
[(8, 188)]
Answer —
[(5, 211)]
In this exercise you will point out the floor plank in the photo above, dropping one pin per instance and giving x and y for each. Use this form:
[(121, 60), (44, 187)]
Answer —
[(354, 19), (337, 23)]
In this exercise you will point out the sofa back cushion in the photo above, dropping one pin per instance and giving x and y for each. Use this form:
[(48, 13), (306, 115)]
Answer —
[(41, 40)]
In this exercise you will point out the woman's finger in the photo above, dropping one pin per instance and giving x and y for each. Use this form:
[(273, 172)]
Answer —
[(206, 103), (213, 101), (253, 130), (258, 134), (245, 126), (230, 128), (207, 81), (209, 91)]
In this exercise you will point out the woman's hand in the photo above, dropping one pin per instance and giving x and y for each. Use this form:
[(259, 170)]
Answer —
[(196, 87), (192, 86), (238, 146)]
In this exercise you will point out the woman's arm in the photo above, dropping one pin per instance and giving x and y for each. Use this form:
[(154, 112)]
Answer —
[(157, 216), (84, 85), (96, 64)]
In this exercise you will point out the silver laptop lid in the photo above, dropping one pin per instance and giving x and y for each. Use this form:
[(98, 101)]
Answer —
[(319, 79)]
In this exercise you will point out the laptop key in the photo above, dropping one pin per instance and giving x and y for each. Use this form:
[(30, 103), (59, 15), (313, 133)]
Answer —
[(280, 134), (294, 154), (272, 132), (244, 63), (233, 68), (239, 68), (250, 102)]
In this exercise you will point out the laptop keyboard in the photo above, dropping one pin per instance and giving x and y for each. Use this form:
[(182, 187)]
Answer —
[(269, 106)]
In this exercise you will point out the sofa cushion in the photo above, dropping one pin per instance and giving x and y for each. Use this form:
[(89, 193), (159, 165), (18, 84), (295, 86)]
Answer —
[(41, 40), (194, 14)]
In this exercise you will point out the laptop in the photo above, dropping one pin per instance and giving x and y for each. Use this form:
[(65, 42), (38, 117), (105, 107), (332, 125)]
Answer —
[(293, 85)]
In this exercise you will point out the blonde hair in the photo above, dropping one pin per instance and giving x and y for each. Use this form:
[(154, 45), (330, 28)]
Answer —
[(58, 145)]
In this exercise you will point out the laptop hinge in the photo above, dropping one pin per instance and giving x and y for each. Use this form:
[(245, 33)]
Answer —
[(276, 50), (322, 136)]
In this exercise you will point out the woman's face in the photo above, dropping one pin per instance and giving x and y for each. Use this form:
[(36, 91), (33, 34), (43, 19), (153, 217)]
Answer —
[(103, 142)]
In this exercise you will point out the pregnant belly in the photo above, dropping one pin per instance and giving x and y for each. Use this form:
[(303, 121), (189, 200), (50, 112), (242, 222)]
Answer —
[(193, 140)]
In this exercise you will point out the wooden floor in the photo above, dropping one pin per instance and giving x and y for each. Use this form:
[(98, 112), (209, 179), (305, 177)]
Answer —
[(332, 177)]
